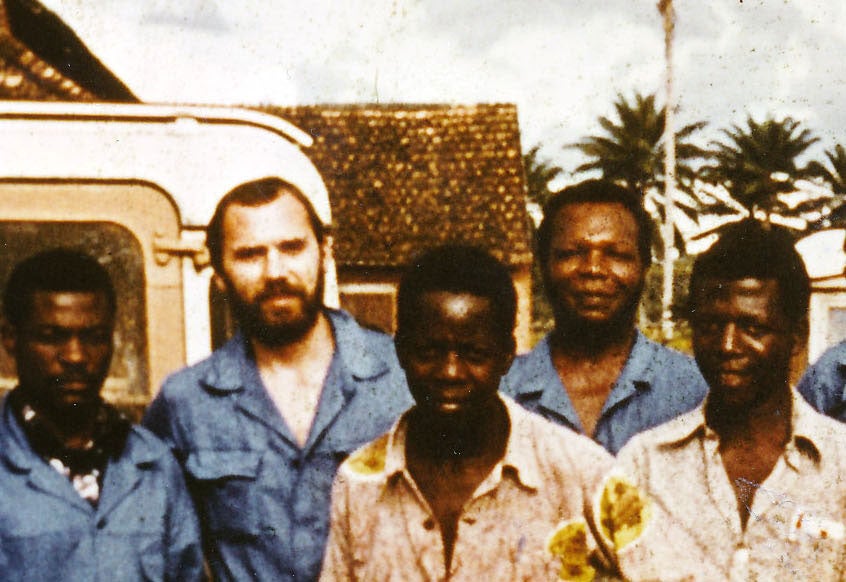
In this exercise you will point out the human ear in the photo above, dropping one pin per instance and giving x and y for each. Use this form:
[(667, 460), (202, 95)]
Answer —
[(9, 336)]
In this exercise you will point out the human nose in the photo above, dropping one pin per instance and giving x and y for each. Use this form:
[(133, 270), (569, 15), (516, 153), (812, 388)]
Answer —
[(729, 338), (451, 366), (73, 351), (592, 262), (275, 266)]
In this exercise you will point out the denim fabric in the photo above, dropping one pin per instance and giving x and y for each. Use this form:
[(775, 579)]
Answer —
[(656, 385), (824, 383), (263, 500), (143, 528)]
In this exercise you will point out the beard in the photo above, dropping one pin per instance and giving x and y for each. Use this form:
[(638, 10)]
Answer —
[(571, 327), (284, 329)]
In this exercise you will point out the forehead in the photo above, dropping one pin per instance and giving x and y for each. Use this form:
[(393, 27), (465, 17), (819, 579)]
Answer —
[(285, 217), (69, 308), (610, 220), (457, 310), (748, 294)]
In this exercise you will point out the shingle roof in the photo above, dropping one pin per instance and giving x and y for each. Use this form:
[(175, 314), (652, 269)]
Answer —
[(407, 177), (41, 58)]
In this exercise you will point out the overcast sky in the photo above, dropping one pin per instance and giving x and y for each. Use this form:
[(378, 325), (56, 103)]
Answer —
[(561, 61)]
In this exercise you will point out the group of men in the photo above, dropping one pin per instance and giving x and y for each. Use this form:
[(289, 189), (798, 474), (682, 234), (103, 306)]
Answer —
[(310, 447)]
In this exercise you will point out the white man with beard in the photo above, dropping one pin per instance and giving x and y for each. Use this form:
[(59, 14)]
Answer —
[(467, 485), (262, 424), (749, 485), (85, 495), (596, 373)]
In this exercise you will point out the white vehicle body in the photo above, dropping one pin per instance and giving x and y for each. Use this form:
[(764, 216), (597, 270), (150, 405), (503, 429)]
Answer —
[(156, 171)]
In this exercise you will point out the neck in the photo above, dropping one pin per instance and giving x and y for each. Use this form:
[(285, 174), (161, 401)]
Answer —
[(769, 419), (318, 339), (592, 341), (66, 430), (471, 437)]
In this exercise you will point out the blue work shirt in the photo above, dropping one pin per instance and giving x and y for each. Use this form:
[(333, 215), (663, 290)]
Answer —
[(824, 383), (263, 500), (143, 527), (656, 385)]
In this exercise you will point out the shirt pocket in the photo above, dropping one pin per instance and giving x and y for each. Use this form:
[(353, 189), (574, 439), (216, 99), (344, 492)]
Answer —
[(153, 563), (815, 546), (49, 556), (225, 485)]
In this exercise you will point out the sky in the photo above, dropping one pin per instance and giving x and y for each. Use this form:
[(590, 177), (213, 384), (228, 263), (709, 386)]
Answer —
[(563, 62)]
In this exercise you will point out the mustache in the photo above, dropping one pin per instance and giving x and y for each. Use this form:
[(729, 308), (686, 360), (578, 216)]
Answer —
[(74, 378), (275, 288)]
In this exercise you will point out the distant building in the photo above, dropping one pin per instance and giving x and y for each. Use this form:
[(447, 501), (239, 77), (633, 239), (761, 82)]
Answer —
[(825, 260), (403, 178), (42, 59)]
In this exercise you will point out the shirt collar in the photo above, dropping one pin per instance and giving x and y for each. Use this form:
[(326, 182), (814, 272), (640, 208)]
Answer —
[(518, 457), (638, 371), (352, 346), (640, 365), (141, 447), (806, 430)]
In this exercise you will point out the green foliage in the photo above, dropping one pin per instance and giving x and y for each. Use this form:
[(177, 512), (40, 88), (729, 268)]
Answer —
[(632, 153), (835, 176), (632, 150), (539, 173), (758, 162), (835, 172)]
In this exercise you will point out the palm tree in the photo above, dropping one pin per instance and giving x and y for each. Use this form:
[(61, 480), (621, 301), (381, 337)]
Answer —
[(835, 176), (758, 162), (539, 173), (632, 150)]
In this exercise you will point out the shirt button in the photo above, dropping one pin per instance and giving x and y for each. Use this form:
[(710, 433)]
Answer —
[(102, 523), (429, 524)]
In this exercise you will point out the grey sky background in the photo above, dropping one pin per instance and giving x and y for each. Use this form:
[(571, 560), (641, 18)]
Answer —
[(562, 62)]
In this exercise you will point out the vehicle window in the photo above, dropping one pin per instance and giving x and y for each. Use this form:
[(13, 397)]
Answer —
[(120, 253)]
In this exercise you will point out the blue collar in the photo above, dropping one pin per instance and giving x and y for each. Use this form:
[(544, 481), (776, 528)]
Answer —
[(227, 372)]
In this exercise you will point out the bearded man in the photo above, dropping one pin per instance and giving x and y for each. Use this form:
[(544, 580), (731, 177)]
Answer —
[(262, 425)]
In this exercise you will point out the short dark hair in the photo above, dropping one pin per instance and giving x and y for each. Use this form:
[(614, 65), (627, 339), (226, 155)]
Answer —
[(751, 249), (597, 191), (255, 193), (56, 270), (458, 269)]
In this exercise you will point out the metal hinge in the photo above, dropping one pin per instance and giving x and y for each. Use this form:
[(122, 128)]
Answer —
[(164, 248)]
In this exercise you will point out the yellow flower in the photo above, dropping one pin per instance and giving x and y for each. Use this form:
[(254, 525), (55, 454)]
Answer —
[(569, 544), (370, 459), (624, 511)]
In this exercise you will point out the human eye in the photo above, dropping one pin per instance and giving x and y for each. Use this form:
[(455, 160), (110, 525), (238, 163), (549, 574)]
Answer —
[(478, 354), (293, 246), (248, 253), (564, 253), (706, 326), (96, 336), (754, 329), (622, 254), (426, 352), (50, 335)]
